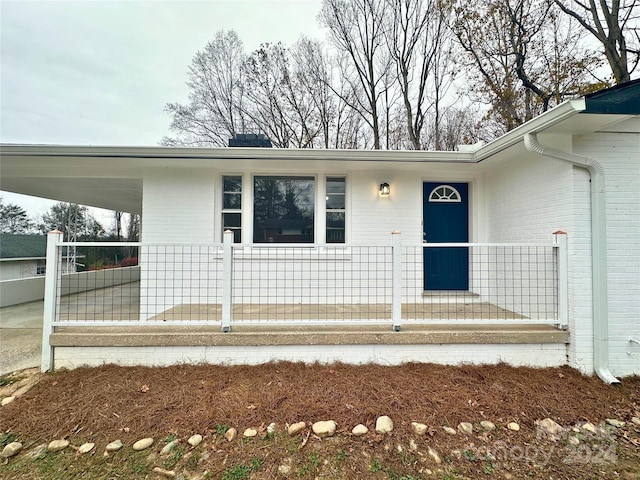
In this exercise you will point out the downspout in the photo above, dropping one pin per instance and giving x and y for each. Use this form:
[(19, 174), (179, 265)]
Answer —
[(598, 251)]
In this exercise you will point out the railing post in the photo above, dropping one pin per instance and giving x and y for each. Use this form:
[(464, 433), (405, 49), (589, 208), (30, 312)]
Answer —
[(396, 295), (54, 257), (227, 280), (563, 278)]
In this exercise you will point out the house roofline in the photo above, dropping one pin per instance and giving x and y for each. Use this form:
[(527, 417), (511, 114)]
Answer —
[(543, 122), (539, 124), (236, 153)]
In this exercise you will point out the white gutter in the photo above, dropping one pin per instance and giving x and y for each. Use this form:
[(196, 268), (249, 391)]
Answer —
[(598, 250), (552, 117)]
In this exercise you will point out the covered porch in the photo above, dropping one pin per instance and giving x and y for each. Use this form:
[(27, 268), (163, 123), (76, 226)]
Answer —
[(318, 302)]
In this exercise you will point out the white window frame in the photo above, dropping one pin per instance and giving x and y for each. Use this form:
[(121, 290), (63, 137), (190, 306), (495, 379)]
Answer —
[(320, 210), (232, 210), (339, 210)]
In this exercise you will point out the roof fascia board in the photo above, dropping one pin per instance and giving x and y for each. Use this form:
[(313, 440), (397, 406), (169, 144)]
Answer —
[(542, 122), (237, 153)]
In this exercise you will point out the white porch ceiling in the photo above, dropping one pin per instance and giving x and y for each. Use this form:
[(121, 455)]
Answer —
[(123, 194)]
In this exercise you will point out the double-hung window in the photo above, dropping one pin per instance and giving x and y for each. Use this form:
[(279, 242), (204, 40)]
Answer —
[(335, 209), (232, 205)]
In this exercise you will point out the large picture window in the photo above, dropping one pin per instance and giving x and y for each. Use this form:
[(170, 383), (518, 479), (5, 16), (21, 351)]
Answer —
[(283, 209)]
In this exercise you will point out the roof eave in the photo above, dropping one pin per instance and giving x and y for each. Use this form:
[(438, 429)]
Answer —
[(541, 123), (236, 153)]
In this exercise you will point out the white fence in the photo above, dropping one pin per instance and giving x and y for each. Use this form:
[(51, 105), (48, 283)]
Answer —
[(226, 284)]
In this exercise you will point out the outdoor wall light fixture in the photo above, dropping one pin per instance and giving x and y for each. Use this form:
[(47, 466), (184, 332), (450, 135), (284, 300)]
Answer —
[(385, 190)]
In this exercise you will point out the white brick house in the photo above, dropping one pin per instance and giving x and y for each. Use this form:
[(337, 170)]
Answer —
[(574, 169)]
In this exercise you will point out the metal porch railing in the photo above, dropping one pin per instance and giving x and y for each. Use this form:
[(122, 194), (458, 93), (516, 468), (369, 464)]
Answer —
[(265, 284), (220, 283)]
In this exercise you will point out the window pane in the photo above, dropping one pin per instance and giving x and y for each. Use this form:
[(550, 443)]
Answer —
[(335, 193), (232, 200), (335, 227), (283, 209), (335, 185), (231, 220), (232, 184), (335, 202), (232, 192)]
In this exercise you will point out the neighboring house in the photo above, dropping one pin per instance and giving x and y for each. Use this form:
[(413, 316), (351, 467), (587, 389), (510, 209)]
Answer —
[(573, 169), (23, 262), (22, 256)]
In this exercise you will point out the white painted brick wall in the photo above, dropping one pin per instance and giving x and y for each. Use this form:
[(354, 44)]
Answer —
[(580, 278), (533, 196), (374, 218), (543, 355), (619, 154), (178, 206), (526, 201)]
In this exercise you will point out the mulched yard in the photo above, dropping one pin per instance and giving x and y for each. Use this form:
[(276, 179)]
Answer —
[(128, 403)]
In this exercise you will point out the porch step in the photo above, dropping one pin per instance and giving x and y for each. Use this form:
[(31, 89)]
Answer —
[(449, 296), (304, 335)]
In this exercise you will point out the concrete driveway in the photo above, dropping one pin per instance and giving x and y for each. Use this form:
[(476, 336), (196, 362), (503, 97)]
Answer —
[(20, 336)]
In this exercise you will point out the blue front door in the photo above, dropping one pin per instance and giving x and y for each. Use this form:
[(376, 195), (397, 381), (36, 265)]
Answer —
[(446, 220)]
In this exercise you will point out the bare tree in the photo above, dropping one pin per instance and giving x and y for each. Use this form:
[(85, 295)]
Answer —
[(313, 72), (215, 111), (117, 220), (263, 74), (334, 98), (457, 126), (133, 228), (481, 32), (279, 104), (352, 128), (443, 75), (416, 38), (616, 25), (356, 28), (384, 82)]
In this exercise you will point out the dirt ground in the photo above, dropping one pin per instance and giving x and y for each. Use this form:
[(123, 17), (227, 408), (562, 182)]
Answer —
[(128, 403)]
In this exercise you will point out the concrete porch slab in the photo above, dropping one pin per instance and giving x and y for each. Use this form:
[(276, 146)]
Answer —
[(305, 335)]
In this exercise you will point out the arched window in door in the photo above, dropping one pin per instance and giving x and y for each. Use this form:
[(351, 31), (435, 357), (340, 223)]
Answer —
[(445, 193)]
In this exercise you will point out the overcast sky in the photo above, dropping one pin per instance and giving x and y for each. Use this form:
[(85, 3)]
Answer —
[(99, 72)]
